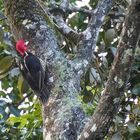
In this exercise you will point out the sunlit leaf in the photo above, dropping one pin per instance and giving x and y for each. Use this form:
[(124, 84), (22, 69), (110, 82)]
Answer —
[(12, 120), (88, 88), (22, 123), (20, 82)]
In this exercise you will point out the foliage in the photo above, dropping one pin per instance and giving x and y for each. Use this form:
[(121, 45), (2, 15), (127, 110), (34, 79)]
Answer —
[(19, 118), (20, 115)]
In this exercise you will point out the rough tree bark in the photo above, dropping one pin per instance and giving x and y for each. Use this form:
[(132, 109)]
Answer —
[(63, 117)]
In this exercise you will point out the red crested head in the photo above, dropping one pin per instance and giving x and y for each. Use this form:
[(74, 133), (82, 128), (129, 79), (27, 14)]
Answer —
[(21, 47)]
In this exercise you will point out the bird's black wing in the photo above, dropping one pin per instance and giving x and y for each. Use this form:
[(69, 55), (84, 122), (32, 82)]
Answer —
[(33, 72)]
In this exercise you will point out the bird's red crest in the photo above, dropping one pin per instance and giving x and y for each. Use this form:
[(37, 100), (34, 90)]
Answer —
[(21, 47)]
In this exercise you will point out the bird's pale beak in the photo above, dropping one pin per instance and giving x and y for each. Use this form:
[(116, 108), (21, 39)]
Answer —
[(27, 42)]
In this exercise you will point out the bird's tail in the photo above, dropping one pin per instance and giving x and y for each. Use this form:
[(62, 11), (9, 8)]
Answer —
[(44, 94)]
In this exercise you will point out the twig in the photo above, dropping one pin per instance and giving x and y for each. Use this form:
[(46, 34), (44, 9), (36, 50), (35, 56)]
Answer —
[(66, 30)]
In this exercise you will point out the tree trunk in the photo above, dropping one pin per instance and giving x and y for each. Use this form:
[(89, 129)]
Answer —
[(63, 116)]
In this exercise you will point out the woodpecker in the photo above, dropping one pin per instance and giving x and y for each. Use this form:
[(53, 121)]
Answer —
[(32, 71)]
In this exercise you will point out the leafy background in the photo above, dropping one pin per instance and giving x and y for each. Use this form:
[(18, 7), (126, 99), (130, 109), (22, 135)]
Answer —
[(20, 111)]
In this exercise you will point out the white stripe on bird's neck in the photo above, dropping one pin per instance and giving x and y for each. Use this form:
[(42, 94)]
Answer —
[(26, 54)]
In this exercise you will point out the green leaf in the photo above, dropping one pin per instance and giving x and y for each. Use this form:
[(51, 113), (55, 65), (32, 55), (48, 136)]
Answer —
[(88, 88), (2, 103), (5, 83), (136, 89), (20, 82), (22, 85), (113, 49), (116, 136), (93, 3), (13, 120), (1, 13), (94, 75), (25, 87), (117, 120), (14, 111), (2, 94), (5, 64), (22, 123), (131, 127), (1, 35), (2, 110), (27, 116), (4, 117), (3, 75), (109, 36), (93, 91), (1, 116)]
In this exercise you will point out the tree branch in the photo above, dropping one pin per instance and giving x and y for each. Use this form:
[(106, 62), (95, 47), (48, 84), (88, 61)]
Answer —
[(70, 9), (59, 22), (63, 27), (68, 32), (88, 41), (119, 75), (64, 4), (88, 37)]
